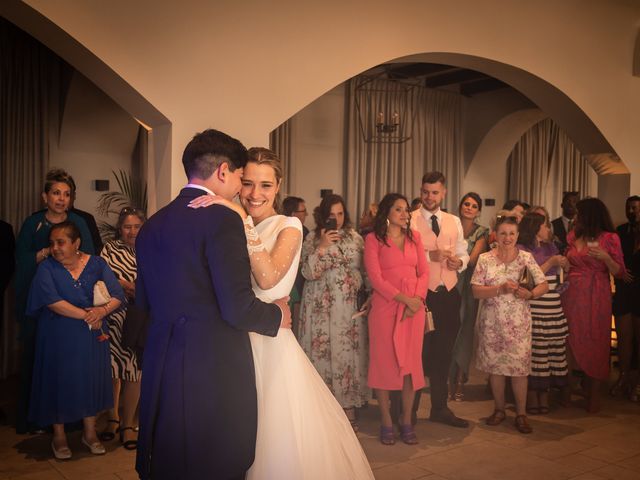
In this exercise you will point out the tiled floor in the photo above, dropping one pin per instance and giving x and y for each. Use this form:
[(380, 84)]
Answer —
[(568, 443)]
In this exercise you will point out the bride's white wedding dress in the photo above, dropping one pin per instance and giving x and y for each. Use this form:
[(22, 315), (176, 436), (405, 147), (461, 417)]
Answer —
[(303, 433)]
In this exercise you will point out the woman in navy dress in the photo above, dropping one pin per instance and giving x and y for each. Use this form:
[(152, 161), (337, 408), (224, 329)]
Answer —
[(72, 368)]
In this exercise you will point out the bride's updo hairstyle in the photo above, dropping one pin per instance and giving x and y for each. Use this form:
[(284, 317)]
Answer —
[(264, 156)]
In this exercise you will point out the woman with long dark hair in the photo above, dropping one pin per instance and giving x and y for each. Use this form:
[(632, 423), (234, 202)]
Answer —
[(476, 236), (397, 268), (594, 253), (548, 324)]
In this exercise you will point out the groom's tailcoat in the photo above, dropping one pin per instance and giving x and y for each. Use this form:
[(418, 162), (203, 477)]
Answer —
[(198, 403)]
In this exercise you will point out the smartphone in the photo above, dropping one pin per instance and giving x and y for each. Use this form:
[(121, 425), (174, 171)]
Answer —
[(331, 224)]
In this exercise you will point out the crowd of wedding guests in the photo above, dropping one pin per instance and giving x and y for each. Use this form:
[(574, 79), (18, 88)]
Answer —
[(414, 292), (526, 298)]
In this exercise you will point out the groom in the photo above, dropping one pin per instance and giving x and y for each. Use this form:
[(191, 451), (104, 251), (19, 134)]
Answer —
[(198, 403)]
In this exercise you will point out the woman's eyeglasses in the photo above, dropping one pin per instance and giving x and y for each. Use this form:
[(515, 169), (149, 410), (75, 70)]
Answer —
[(469, 204)]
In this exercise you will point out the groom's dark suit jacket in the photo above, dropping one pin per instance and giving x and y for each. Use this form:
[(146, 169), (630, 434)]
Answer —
[(198, 403)]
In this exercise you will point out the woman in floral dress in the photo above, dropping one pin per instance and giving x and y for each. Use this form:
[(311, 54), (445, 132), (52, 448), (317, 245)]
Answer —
[(334, 341), (504, 323), (594, 253)]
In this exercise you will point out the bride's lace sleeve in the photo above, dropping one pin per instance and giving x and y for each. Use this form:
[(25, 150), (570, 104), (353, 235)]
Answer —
[(269, 268)]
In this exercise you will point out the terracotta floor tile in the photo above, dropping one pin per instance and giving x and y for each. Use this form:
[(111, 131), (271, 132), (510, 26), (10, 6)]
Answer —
[(616, 472), (581, 463), (401, 471)]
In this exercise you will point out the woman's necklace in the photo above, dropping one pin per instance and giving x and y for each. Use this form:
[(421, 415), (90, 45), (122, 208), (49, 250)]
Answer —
[(59, 218), (507, 257), (78, 266)]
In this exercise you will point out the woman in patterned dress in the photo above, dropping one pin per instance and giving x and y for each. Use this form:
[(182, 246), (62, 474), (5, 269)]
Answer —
[(549, 325), (504, 323), (594, 253), (335, 342), (120, 255), (476, 236)]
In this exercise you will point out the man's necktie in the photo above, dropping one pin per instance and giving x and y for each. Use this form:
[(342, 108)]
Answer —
[(434, 225)]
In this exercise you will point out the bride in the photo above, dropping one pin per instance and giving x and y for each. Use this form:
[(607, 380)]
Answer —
[(303, 432)]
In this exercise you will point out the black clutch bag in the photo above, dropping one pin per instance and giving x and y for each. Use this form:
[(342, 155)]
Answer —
[(361, 299)]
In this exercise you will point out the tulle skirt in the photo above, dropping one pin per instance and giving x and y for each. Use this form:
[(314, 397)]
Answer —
[(303, 432)]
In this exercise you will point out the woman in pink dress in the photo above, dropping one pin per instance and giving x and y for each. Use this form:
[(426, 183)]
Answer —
[(398, 271), (594, 252)]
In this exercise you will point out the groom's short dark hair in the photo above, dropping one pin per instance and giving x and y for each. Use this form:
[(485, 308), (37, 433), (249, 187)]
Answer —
[(208, 150)]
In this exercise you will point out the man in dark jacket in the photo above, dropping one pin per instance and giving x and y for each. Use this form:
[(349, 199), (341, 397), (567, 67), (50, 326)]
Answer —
[(198, 412)]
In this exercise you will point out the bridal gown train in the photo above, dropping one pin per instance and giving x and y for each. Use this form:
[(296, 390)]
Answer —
[(303, 432)]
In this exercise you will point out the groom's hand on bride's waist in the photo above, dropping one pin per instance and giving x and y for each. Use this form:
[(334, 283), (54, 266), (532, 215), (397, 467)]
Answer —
[(283, 303)]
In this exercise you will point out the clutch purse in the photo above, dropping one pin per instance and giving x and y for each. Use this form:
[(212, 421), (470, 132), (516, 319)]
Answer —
[(361, 298), (527, 280), (100, 294), (429, 326)]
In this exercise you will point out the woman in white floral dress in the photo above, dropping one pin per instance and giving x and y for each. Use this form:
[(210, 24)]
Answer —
[(335, 342), (503, 327)]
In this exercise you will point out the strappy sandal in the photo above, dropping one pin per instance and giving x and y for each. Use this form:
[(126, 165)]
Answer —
[(107, 436), (534, 410), (386, 435), (522, 425), (408, 434), (496, 418), (129, 444), (543, 410)]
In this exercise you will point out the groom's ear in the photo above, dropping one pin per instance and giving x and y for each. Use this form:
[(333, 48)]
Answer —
[(222, 171)]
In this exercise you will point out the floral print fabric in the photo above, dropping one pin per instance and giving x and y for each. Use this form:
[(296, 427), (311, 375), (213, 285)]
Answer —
[(335, 343), (504, 323)]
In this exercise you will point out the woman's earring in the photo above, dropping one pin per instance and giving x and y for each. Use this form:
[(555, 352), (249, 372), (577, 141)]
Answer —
[(387, 223)]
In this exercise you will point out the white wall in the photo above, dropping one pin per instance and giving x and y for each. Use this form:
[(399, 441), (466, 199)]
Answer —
[(317, 144), (96, 137), (199, 76)]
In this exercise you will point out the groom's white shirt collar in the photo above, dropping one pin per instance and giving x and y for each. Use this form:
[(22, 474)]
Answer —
[(193, 185)]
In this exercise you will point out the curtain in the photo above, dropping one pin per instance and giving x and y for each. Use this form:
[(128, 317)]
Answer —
[(280, 141), (29, 106), (544, 164), (429, 137)]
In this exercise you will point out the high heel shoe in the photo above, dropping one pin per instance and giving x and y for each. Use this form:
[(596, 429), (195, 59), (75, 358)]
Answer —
[(63, 453), (96, 448), (107, 436), (129, 444)]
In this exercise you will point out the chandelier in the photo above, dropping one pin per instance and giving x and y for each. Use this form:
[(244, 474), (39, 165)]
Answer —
[(384, 109)]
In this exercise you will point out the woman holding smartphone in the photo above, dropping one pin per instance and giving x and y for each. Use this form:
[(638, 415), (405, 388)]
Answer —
[(335, 341), (594, 253)]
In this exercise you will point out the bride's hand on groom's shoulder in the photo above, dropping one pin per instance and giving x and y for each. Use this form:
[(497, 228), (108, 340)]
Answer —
[(208, 200)]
